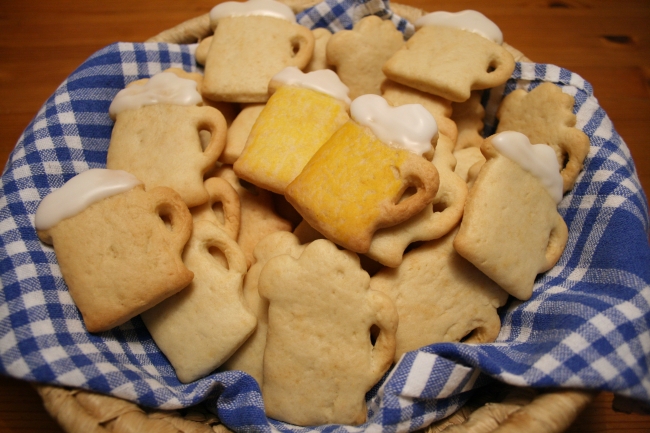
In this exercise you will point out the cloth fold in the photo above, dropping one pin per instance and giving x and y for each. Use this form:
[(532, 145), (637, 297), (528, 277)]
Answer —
[(586, 325)]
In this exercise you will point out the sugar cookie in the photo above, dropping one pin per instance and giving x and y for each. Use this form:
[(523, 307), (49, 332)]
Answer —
[(319, 360), (104, 221), (511, 229), (204, 324)]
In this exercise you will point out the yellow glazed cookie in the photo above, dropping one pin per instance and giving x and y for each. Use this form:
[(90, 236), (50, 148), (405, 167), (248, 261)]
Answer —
[(301, 115), (353, 186), (437, 218)]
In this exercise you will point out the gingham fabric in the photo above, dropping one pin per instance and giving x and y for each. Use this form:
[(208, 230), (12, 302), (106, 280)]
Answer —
[(585, 326)]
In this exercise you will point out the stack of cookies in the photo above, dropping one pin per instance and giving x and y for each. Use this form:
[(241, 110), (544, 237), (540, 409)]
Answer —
[(315, 205)]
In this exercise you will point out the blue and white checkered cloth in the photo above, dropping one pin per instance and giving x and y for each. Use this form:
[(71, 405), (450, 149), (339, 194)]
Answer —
[(586, 325)]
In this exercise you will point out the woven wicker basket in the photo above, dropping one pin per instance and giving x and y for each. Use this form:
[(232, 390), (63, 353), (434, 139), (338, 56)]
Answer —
[(499, 408)]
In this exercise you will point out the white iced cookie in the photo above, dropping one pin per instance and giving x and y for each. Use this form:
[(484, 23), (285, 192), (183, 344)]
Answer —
[(252, 42), (469, 20), (267, 8), (447, 58), (105, 221), (162, 88), (511, 229), (410, 126)]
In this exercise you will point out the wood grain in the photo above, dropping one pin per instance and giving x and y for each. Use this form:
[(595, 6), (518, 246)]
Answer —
[(606, 42)]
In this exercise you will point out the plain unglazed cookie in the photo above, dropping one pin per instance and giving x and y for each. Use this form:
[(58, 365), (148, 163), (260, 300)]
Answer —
[(468, 163), (239, 131), (511, 229), (359, 54), (440, 297), (249, 358), (199, 328), (437, 219), (319, 57), (319, 360), (225, 200), (258, 216), (117, 255), (468, 117), (545, 115)]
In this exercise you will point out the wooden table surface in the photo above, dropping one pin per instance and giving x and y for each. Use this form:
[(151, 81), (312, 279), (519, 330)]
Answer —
[(606, 42)]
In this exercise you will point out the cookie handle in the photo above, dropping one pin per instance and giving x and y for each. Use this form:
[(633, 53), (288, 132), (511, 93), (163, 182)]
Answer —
[(501, 65), (419, 173), (174, 212), (385, 320), (303, 47), (212, 120), (222, 192), (556, 243), (212, 236)]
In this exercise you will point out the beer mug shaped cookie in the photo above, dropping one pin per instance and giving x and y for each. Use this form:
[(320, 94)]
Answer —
[(356, 182), (113, 244), (252, 42), (511, 229), (437, 219), (440, 297), (319, 360), (249, 357), (301, 115), (452, 54), (202, 326), (157, 138)]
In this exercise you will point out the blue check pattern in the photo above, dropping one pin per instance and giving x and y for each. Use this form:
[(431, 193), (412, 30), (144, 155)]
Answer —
[(586, 325)]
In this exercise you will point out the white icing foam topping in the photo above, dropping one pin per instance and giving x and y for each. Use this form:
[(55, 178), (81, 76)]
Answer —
[(324, 81), (538, 159), (469, 20), (410, 126), (162, 88), (269, 8), (80, 192)]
